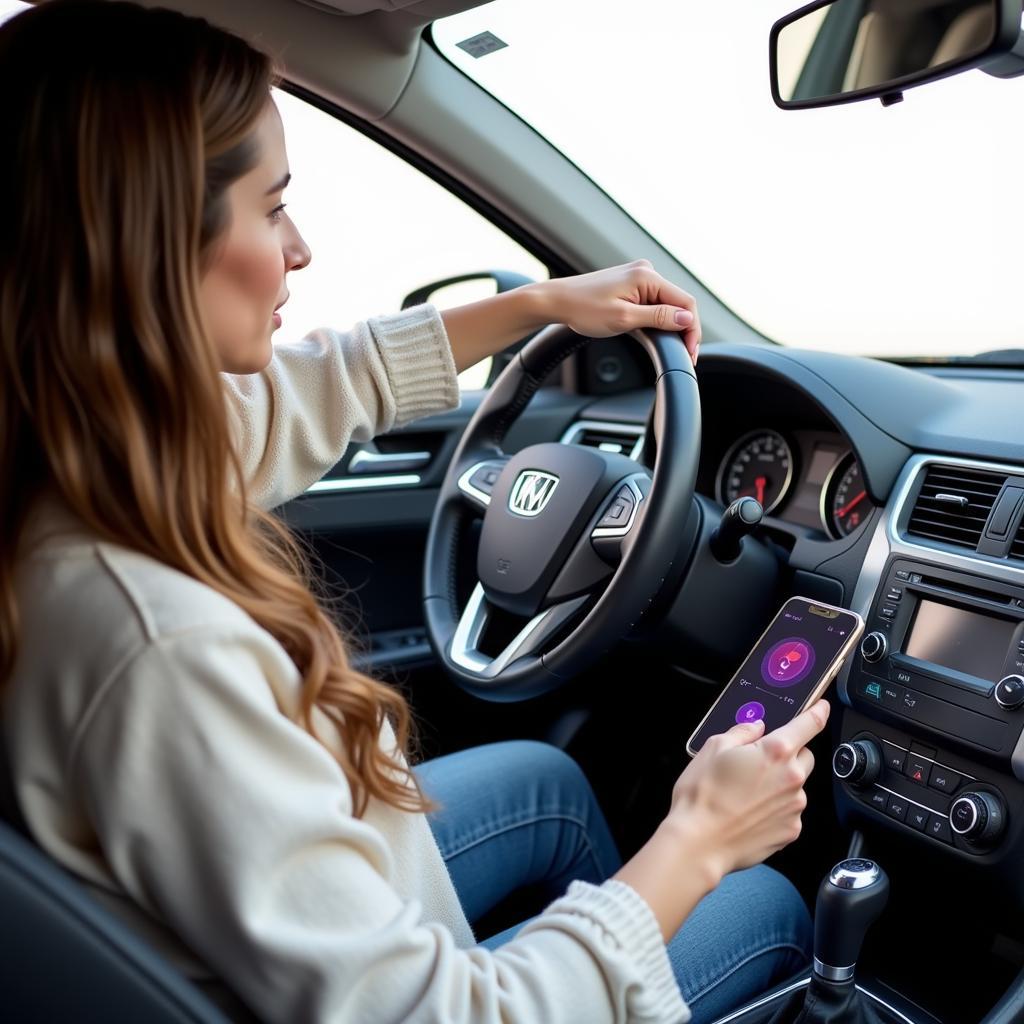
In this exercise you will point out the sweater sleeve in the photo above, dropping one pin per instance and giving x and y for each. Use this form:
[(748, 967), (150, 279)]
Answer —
[(228, 821), (294, 420)]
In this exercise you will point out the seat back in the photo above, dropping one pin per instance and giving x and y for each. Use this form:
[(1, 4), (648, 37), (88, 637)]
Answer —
[(63, 957)]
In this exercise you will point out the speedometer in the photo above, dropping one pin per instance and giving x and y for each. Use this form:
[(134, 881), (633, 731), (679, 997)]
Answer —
[(759, 465)]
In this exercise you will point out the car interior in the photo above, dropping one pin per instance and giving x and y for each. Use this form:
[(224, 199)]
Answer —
[(892, 487)]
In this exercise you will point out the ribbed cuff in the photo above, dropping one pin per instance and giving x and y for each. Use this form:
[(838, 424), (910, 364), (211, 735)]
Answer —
[(626, 918), (418, 359)]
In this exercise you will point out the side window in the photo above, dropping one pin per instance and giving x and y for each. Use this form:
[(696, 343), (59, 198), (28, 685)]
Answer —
[(379, 229)]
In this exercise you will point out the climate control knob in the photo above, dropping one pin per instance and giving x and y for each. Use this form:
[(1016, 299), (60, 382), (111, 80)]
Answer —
[(873, 647), (979, 817), (1009, 692), (858, 763)]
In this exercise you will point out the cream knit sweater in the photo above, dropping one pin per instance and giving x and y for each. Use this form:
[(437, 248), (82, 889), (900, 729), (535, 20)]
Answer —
[(153, 757)]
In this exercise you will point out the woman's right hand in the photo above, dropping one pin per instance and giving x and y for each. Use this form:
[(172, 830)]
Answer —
[(737, 802), (743, 792)]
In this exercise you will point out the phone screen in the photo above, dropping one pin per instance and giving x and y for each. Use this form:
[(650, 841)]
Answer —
[(783, 669)]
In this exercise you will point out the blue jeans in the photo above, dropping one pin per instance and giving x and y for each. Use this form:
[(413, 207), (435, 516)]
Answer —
[(522, 813)]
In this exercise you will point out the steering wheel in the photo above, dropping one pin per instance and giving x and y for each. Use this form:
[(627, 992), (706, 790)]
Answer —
[(575, 542)]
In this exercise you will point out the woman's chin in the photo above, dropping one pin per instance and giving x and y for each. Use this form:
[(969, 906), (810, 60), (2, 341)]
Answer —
[(252, 361)]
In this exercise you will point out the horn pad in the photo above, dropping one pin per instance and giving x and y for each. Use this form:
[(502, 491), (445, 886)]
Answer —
[(533, 522)]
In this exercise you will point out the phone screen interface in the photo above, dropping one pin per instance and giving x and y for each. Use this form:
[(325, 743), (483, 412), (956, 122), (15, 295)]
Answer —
[(782, 670)]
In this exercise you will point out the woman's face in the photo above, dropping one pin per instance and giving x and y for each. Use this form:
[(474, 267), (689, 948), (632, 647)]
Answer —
[(244, 285)]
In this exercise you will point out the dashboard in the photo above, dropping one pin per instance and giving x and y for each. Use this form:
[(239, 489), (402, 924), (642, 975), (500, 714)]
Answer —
[(900, 494)]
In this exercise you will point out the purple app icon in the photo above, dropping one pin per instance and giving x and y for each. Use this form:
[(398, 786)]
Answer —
[(752, 711), (787, 662)]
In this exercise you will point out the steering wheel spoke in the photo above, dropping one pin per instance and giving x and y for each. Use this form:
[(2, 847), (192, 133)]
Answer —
[(477, 482), (471, 631)]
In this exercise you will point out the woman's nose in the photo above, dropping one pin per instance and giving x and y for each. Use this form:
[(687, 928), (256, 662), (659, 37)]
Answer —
[(296, 252)]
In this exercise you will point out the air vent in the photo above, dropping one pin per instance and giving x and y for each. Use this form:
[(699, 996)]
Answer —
[(1017, 547), (954, 505), (620, 438)]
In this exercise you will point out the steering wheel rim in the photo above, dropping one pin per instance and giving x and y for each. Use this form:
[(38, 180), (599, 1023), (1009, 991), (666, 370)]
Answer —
[(654, 541)]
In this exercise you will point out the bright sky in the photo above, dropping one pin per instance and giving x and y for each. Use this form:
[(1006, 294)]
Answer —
[(856, 228)]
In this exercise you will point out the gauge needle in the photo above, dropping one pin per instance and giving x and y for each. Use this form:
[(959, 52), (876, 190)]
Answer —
[(760, 484), (840, 513)]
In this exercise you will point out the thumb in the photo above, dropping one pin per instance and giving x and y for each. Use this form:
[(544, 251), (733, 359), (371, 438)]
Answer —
[(662, 316), (741, 735)]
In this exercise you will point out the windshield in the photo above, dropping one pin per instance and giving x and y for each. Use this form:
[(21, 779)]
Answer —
[(891, 231)]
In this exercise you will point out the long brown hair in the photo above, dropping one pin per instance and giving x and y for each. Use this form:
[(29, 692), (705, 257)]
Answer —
[(124, 127)]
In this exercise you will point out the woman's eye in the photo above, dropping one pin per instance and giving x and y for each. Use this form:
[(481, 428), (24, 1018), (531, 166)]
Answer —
[(275, 213)]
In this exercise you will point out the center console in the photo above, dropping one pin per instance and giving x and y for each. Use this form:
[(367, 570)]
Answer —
[(931, 745)]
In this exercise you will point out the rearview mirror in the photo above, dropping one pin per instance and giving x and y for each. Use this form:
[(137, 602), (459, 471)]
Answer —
[(838, 51)]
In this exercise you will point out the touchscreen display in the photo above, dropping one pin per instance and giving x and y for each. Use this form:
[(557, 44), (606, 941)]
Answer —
[(958, 639), (782, 670)]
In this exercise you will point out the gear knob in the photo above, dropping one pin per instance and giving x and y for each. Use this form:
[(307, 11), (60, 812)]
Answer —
[(850, 899)]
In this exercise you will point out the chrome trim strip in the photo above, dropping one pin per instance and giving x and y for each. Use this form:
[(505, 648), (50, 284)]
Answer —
[(367, 483), (882, 1002), (621, 531), (924, 807), (948, 767), (830, 973), (625, 429), (381, 460)]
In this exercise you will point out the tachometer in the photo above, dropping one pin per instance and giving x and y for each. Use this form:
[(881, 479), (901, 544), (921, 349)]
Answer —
[(759, 465), (844, 499)]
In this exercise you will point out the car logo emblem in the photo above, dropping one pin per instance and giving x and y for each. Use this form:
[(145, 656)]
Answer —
[(531, 492)]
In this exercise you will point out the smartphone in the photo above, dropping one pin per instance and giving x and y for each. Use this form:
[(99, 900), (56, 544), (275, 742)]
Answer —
[(789, 668)]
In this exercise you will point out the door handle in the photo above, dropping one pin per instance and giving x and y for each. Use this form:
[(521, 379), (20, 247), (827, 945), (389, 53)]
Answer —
[(386, 462)]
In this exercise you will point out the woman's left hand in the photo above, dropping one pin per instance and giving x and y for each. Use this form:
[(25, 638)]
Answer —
[(596, 305), (620, 299)]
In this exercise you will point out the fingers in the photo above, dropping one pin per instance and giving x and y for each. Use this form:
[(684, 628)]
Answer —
[(738, 735), (784, 742), (666, 306)]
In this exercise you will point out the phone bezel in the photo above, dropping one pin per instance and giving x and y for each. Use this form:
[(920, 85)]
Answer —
[(830, 672)]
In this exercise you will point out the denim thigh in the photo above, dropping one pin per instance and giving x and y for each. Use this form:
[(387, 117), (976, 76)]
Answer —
[(515, 814)]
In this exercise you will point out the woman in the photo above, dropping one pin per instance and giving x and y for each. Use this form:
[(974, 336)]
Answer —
[(185, 730)]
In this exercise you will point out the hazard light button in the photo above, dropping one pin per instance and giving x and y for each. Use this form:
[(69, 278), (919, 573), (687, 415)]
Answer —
[(917, 769)]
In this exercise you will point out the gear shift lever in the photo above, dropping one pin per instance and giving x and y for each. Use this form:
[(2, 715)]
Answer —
[(849, 901)]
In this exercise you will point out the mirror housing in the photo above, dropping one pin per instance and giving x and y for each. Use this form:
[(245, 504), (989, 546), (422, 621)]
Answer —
[(842, 51)]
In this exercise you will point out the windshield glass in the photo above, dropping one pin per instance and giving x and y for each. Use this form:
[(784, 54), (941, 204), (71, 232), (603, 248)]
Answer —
[(857, 228)]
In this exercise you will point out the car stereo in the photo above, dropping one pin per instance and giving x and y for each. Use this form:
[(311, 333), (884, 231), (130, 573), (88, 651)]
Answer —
[(944, 651)]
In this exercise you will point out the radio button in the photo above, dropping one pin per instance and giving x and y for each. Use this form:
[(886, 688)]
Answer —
[(944, 780), (902, 574), (888, 611), (917, 817), (873, 647), (878, 798), (894, 757), (895, 594), (917, 769), (915, 577), (1009, 692), (897, 807), (938, 828)]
